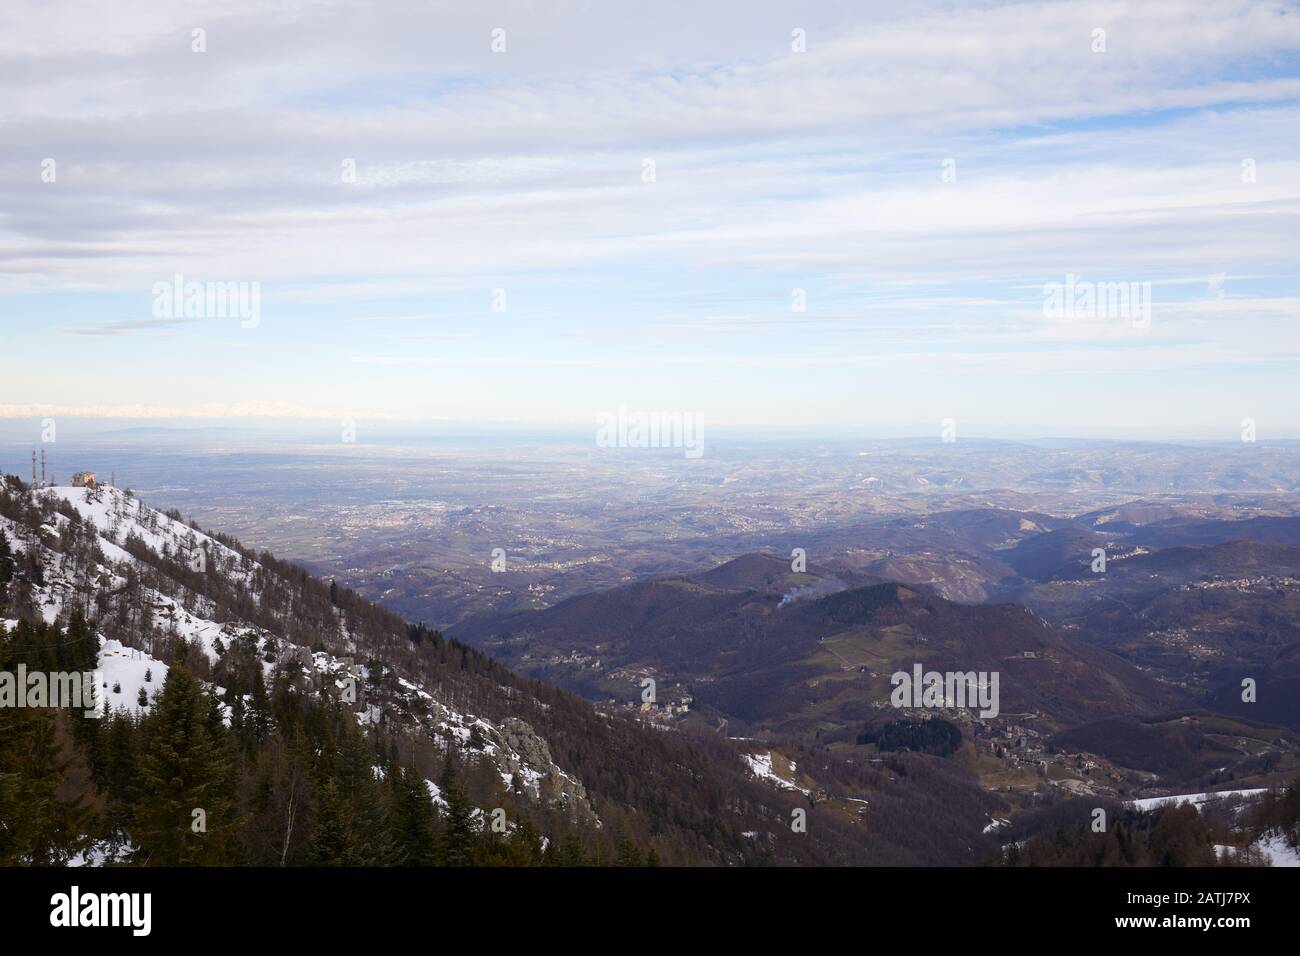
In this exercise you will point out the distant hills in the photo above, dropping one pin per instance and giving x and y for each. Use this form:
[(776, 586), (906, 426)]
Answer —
[(821, 660), (266, 650)]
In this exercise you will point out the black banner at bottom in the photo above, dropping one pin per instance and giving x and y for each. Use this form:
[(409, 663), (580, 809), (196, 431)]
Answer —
[(337, 907)]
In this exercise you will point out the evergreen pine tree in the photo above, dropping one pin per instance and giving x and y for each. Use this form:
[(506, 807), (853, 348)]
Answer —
[(525, 848), (629, 854), (459, 838), (6, 567), (410, 819), (355, 779), (333, 841), (182, 769), (37, 825)]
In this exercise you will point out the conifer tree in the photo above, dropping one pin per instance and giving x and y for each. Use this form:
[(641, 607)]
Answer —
[(333, 841), (628, 852), (182, 769), (259, 715), (355, 779), (80, 647), (459, 838), (37, 826), (525, 848), (410, 819), (6, 567)]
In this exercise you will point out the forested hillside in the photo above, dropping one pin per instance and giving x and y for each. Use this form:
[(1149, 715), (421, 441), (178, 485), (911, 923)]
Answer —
[(1235, 829), (256, 715)]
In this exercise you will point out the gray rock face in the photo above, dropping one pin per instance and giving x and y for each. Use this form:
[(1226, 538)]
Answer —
[(520, 737), (524, 749)]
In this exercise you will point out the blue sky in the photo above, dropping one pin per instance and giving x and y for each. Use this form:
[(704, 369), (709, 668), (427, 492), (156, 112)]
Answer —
[(1167, 160)]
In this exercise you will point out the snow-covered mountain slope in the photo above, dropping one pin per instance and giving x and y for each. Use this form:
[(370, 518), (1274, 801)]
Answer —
[(288, 657), (150, 580)]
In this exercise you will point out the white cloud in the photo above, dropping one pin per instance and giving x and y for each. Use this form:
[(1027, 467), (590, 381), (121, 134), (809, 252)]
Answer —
[(774, 169)]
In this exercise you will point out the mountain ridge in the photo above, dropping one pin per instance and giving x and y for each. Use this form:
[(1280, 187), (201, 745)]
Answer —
[(274, 648)]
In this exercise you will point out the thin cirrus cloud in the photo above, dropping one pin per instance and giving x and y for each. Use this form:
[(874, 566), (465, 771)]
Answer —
[(129, 327)]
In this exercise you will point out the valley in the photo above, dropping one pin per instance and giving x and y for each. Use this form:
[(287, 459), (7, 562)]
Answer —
[(684, 618)]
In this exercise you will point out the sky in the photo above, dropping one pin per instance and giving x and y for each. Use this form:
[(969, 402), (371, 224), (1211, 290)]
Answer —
[(784, 215)]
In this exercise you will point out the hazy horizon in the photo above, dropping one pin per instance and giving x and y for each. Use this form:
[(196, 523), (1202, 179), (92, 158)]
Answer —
[(20, 431)]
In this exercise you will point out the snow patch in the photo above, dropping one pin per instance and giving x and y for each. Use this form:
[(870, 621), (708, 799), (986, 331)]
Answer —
[(1195, 799)]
